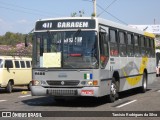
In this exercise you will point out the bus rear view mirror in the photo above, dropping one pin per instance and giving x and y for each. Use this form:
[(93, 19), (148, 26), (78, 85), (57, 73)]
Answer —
[(27, 37), (26, 41)]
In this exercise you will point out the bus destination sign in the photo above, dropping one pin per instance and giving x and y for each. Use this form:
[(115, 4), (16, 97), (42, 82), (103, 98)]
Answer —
[(65, 24)]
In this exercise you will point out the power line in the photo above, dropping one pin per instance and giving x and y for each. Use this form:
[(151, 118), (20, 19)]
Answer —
[(107, 7), (112, 15), (14, 10), (104, 10), (29, 9)]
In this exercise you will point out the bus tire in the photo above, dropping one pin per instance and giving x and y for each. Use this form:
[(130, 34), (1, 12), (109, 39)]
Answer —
[(113, 90), (144, 83), (29, 86), (9, 87)]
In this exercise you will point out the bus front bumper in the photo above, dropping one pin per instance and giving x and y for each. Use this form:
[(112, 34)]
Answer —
[(85, 91)]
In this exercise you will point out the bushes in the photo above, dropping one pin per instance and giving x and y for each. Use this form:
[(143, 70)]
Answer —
[(13, 44), (19, 50)]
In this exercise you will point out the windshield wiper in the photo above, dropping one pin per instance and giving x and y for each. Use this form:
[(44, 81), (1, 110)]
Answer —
[(52, 46), (76, 33)]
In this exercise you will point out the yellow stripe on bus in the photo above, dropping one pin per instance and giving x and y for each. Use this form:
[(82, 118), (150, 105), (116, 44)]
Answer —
[(149, 34), (134, 80)]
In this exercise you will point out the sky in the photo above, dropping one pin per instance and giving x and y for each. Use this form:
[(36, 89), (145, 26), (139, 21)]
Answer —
[(19, 16)]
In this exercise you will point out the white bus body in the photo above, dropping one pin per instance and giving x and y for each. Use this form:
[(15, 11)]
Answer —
[(90, 57)]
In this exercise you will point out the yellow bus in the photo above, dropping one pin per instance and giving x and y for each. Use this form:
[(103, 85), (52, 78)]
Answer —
[(15, 71)]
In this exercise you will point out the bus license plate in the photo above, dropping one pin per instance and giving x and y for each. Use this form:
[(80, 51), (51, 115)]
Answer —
[(87, 92)]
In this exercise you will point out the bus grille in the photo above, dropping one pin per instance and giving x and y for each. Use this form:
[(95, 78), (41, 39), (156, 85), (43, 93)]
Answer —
[(57, 92), (64, 83)]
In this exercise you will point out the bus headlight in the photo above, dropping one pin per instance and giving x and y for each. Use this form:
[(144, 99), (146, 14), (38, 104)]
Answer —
[(92, 83), (35, 82)]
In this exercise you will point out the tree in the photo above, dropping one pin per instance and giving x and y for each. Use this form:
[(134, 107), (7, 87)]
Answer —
[(11, 38)]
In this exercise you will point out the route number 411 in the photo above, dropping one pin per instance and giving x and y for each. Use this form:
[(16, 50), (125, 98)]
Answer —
[(47, 25)]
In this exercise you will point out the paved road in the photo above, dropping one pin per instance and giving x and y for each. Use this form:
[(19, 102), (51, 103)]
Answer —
[(131, 100)]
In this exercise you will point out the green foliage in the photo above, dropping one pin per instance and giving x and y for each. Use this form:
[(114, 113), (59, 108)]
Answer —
[(12, 38)]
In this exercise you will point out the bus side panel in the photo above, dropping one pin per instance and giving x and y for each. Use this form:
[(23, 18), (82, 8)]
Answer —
[(105, 78), (151, 70), (130, 73)]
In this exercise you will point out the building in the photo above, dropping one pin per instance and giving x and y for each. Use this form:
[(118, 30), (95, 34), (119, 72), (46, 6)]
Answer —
[(155, 29)]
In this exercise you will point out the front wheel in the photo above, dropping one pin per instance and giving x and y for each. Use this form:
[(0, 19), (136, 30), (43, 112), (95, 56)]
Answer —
[(29, 86), (114, 90), (9, 87)]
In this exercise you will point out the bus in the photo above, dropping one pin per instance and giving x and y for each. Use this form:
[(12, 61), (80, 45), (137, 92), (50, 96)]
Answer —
[(94, 57), (15, 71)]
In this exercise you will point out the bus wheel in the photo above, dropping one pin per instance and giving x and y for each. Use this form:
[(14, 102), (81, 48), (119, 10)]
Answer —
[(9, 87), (144, 83), (29, 86), (114, 90)]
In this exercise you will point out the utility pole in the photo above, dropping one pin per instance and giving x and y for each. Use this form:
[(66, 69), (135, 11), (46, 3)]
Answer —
[(94, 8)]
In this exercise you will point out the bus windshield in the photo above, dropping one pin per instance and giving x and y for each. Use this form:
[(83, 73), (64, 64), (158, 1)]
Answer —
[(77, 49)]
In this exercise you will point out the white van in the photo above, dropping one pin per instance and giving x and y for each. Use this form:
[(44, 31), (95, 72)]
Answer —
[(15, 71)]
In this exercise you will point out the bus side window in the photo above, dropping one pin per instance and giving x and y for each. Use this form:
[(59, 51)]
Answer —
[(122, 42), (8, 64), (17, 64), (148, 51), (143, 50), (28, 64), (136, 46), (22, 64), (113, 43), (1, 63), (130, 44), (152, 48)]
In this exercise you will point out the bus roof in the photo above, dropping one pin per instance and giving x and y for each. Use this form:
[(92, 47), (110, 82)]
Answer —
[(15, 57), (124, 27)]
